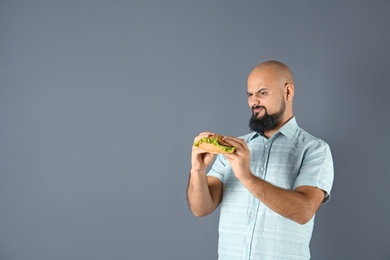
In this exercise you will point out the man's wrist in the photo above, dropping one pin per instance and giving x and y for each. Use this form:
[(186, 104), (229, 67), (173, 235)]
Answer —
[(197, 171), (247, 178)]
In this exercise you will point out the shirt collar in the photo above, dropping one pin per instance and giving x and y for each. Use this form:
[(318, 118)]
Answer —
[(288, 129)]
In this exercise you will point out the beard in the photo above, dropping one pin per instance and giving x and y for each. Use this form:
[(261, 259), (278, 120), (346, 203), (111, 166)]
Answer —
[(267, 121)]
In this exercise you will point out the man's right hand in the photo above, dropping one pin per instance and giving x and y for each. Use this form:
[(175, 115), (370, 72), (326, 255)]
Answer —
[(199, 158)]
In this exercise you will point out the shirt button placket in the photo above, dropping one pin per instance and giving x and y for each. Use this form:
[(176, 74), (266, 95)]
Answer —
[(266, 154)]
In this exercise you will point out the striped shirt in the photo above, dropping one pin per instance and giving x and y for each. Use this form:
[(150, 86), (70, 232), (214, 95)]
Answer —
[(248, 229)]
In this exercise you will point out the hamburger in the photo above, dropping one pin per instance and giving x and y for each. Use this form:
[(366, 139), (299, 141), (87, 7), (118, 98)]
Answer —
[(215, 144)]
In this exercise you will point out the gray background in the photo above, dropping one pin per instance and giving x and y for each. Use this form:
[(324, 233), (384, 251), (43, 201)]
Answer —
[(100, 102)]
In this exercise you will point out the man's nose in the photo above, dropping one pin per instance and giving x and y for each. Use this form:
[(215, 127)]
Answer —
[(254, 100)]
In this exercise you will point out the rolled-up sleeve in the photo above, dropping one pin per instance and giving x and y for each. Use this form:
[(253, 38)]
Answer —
[(317, 169), (219, 168)]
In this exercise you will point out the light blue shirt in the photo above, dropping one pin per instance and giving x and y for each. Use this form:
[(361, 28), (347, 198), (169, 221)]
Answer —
[(248, 229)]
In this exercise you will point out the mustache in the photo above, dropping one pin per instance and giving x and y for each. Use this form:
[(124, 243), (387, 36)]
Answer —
[(257, 106)]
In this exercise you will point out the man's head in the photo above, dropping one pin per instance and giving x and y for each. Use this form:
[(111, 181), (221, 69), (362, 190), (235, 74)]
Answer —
[(270, 96)]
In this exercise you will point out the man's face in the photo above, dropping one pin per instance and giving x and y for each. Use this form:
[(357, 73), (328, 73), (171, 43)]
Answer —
[(266, 100), (261, 123)]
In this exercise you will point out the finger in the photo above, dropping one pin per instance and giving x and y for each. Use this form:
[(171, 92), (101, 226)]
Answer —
[(238, 143), (230, 156)]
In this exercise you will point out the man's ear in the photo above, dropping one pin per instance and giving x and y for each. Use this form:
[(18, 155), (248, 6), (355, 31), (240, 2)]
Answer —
[(289, 91)]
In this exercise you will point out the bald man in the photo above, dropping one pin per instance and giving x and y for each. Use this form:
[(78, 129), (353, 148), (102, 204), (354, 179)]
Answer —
[(271, 188)]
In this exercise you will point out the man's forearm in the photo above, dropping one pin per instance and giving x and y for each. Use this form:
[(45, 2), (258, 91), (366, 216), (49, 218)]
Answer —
[(199, 197), (295, 205)]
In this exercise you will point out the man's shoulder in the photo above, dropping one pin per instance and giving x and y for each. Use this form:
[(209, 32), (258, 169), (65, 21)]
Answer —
[(303, 136)]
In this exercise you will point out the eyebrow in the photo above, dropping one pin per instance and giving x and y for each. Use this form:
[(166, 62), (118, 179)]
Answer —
[(257, 90)]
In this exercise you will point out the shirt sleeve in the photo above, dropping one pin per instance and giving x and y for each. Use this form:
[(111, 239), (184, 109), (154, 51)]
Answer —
[(219, 168), (317, 169)]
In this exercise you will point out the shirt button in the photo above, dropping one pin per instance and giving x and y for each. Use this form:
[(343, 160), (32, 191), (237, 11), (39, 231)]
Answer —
[(262, 168), (266, 146)]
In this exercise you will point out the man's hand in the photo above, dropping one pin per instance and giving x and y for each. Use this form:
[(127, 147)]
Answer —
[(240, 160), (199, 158), (204, 193)]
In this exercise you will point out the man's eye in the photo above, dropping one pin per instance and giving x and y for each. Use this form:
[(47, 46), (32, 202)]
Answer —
[(249, 94), (263, 93)]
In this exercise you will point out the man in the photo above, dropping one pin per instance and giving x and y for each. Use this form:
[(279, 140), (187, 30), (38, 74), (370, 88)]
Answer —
[(271, 188)]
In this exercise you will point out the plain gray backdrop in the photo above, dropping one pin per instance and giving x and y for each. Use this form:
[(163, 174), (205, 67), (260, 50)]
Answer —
[(100, 102)]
